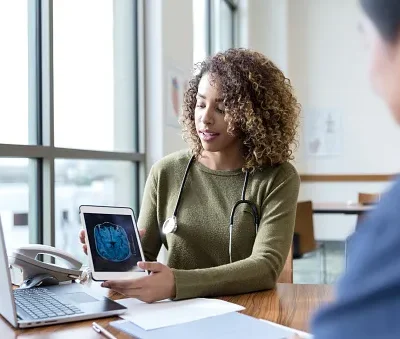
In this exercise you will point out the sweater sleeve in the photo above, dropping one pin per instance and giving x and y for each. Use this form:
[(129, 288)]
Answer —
[(151, 241), (261, 270)]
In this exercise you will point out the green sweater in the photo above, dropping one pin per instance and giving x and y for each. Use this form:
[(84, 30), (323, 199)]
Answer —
[(198, 250)]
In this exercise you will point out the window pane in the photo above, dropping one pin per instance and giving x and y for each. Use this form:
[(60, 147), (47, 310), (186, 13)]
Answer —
[(94, 74), (226, 26), (14, 200), (88, 182), (200, 22), (14, 72)]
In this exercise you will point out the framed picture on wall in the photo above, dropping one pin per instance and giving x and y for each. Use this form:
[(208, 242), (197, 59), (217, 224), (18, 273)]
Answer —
[(176, 84), (322, 132)]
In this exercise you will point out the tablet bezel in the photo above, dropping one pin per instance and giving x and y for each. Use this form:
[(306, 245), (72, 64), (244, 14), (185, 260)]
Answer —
[(103, 276)]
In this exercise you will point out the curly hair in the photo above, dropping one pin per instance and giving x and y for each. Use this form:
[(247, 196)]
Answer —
[(260, 106)]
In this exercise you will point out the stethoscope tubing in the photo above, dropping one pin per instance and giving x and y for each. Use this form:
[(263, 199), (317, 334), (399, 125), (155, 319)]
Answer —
[(167, 224)]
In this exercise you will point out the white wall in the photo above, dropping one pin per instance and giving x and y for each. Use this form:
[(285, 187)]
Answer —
[(317, 45), (169, 32), (328, 67), (169, 42), (267, 28)]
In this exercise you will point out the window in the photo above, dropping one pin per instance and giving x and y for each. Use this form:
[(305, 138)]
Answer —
[(14, 72), (81, 181), (227, 25), (94, 72), (70, 123), (223, 17), (200, 30), (15, 188)]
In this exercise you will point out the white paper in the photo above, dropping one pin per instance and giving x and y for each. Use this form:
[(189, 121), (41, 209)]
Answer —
[(167, 313), (289, 331)]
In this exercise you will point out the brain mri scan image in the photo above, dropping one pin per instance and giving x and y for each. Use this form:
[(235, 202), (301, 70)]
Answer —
[(112, 242)]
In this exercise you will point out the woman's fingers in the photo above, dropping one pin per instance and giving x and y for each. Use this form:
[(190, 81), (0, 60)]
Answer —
[(129, 292), (82, 239), (82, 236), (129, 288), (125, 284)]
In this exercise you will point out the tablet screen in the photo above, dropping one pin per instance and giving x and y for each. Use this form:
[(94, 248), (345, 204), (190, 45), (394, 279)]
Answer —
[(113, 243)]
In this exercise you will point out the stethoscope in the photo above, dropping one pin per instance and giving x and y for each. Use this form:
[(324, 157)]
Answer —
[(170, 225)]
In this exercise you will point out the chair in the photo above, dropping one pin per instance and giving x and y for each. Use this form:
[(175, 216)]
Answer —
[(367, 199), (286, 275), (304, 233)]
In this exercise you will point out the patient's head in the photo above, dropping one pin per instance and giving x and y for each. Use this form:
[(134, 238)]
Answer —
[(381, 27), (254, 100)]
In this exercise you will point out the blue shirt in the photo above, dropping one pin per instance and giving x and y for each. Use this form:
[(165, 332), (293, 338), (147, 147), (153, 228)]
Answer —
[(367, 297)]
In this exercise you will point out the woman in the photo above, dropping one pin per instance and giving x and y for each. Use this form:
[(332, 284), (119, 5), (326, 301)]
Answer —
[(367, 301), (240, 119)]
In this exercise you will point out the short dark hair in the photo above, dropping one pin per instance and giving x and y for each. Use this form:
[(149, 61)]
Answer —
[(385, 14)]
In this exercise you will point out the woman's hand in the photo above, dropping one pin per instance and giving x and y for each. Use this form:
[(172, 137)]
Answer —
[(82, 238), (159, 285)]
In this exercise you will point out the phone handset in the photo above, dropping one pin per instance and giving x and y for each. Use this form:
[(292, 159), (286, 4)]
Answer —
[(33, 251), (24, 264)]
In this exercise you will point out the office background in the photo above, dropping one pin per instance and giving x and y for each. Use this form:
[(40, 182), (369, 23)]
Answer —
[(84, 92)]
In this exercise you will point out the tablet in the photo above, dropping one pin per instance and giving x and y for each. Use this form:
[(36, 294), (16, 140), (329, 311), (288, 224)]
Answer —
[(113, 242)]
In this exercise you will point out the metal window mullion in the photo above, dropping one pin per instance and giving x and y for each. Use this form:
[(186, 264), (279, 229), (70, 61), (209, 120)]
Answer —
[(47, 168), (141, 170), (34, 121), (38, 151), (234, 15), (209, 27), (231, 4)]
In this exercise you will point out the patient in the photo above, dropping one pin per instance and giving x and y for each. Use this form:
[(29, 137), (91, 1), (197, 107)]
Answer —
[(367, 301)]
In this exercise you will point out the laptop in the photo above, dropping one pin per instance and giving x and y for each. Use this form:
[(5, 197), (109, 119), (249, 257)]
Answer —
[(41, 306)]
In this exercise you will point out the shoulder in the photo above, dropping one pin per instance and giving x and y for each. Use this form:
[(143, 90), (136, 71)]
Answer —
[(388, 205), (171, 163), (373, 267), (282, 173), (386, 211), (286, 170), (381, 223)]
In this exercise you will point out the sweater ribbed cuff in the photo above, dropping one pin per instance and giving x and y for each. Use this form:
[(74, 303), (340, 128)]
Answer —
[(186, 285)]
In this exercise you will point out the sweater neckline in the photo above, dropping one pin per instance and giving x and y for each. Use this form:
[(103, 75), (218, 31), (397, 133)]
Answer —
[(226, 173)]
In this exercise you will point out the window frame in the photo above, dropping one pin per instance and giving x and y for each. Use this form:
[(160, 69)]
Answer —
[(212, 12), (41, 148)]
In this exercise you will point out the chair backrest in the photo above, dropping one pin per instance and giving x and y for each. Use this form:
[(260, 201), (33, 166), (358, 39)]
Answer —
[(304, 227), (286, 275), (368, 198)]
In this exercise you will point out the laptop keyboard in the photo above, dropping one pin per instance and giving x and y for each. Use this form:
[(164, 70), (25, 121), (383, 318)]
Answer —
[(40, 303)]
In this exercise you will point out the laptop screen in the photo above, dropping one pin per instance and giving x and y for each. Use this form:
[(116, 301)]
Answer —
[(7, 304)]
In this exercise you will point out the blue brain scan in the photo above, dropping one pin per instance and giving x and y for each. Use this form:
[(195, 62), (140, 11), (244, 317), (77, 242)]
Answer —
[(112, 242)]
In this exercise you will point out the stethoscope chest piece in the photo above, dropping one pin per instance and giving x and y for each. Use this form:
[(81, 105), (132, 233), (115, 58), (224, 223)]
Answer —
[(170, 225)]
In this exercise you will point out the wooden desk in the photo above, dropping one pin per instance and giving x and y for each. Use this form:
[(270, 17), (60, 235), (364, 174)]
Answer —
[(289, 304), (340, 208)]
